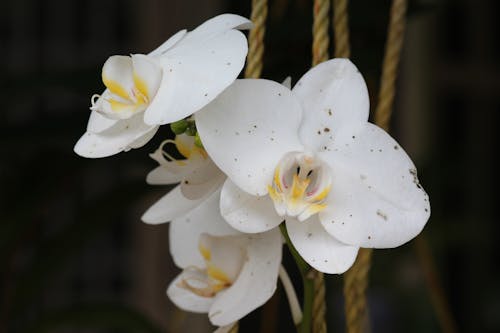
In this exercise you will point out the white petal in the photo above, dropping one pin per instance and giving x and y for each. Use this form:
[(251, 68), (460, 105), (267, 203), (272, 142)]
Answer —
[(163, 176), (248, 129), (147, 74), (169, 43), (142, 140), (245, 212), (228, 254), (203, 179), (194, 74), (98, 123), (256, 282), (185, 231), (215, 26), (318, 248), (117, 75), (125, 134), (170, 172), (376, 200), (170, 206), (287, 82), (333, 95), (187, 300)]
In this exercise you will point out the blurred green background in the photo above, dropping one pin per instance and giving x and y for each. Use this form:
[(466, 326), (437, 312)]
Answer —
[(74, 255)]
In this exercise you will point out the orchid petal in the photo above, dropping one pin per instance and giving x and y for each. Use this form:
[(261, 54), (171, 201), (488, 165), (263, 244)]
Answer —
[(186, 299), (185, 231), (256, 282), (319, 249), (194, 74), (170, 206), (117, 75), (287, 82), (124, 135), (163, 176), (333, 95), (247, 213), (203, 179), (376, 199), (99, 123), (146, 75), (169, 43), (248, 129), (217, 25)]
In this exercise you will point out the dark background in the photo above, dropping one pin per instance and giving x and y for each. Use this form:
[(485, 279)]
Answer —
[(74, 256)]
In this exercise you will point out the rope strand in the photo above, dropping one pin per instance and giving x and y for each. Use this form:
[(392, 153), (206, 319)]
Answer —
[(319, 54), (356, 279), (320, 31), (393, 48), (341, 29), (256, 39), (355, 285)]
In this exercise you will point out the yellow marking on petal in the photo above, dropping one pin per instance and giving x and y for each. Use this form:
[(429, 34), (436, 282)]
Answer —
[(202, 292), (322, 195), (299, 187), (184, 149), (216, 287), (273, 194), (315, 208), (119, 106), (200, 151), (205, 253), (217, 274), (115, 87), (277, 180), (141, 85)]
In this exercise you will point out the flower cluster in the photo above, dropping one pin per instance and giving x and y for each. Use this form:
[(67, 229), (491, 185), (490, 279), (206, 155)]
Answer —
[(255, 154)]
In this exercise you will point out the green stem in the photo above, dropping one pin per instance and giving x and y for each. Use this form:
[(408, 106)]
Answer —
[(305, 269)]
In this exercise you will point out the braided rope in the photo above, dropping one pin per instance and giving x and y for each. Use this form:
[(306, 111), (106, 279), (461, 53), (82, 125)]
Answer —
[(320, 31), (235, 328), (356, 279), (256, 39), (319, 54), (355, 285), (319, 303), (341, 29), (255, 53), (393, 48)]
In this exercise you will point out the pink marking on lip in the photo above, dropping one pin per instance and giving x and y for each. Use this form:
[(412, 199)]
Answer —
[(312, 192), (284, 182)]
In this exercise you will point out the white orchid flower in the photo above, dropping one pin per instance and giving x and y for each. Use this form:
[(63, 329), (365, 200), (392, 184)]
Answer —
[(309, 156), (226, 273), (177, 79), (197, 174)]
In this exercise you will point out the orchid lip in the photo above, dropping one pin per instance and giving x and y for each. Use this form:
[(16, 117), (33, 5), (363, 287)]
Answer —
[(217, 275), (300, 185)]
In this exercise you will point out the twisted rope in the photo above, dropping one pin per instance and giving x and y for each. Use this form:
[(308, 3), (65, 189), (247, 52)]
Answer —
[(319, 54), (320, 31), (391, 60), (355, 285), (319, 303), (356, 279), (235, 328), (341, 29), (256, 39)]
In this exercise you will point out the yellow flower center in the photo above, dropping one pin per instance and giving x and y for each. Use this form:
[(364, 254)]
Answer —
[(301, 183), (134, 99), (213, 278)]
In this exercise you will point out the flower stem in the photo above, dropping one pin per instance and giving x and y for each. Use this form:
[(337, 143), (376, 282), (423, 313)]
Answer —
[(307, 281)]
